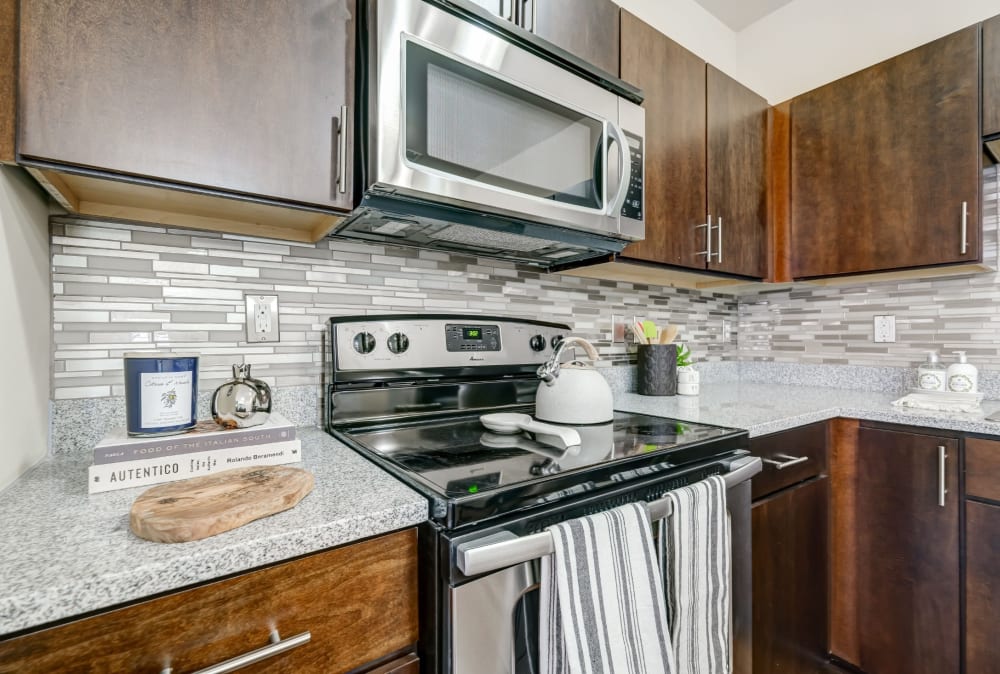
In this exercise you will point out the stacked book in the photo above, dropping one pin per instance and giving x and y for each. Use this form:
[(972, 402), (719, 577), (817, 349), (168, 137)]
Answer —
[(121, 461)]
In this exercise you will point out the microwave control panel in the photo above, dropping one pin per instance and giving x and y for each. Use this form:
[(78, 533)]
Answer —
[(632, 208)]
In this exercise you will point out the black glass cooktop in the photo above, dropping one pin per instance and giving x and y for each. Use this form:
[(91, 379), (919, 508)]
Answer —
[(459, 460)]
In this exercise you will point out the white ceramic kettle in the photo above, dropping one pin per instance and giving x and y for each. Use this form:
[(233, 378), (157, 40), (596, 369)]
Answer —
[(573, 393)]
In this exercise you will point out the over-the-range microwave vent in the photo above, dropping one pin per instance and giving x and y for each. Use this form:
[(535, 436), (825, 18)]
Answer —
[(403, 221)]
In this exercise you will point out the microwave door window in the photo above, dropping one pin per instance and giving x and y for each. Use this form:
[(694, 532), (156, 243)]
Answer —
[(465, 122)]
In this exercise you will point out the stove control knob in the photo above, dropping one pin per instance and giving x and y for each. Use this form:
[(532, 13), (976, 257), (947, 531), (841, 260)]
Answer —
[(537, 343), (555, 340), (364, 343), (398, 342)]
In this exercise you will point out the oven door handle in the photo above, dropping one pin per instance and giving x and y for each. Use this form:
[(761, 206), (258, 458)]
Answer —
[(505, 549)]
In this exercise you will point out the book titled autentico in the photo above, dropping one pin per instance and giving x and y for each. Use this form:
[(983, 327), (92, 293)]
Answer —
[(206, 436), (111, 476)]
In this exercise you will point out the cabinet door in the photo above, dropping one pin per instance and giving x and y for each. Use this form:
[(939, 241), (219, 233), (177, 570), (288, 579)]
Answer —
[(673, 81), (8, 54), (737, 183), (588, 29), (908, 553), (883, 161), (220, 95), (789, 580), (982, 588), (991, 76)]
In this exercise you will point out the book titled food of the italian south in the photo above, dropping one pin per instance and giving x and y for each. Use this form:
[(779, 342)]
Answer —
[(206, 436)]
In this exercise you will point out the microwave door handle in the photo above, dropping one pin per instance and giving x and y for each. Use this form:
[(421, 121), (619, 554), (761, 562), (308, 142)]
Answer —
[(625, 160)]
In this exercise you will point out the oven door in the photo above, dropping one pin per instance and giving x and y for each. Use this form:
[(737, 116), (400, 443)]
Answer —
[(494, 617), (463, 117)]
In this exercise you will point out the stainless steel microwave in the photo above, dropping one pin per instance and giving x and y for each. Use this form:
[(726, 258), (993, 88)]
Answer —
[(474, 143)]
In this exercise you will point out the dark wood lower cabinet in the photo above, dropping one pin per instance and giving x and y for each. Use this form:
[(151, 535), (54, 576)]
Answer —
[(982, 588), (907, 563), (359, 602), (789, 580)]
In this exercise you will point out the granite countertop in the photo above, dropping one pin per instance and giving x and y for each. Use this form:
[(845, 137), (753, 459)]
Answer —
[(65, 553), (768, 408)]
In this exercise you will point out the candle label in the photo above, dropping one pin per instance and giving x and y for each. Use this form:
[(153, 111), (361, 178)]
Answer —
[(166, 398)]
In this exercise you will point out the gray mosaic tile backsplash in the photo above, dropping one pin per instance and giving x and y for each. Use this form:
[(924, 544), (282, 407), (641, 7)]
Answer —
[(124, 287)]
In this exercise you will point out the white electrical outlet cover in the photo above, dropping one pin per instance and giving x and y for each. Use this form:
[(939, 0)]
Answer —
[(262, 318), (884, 329)]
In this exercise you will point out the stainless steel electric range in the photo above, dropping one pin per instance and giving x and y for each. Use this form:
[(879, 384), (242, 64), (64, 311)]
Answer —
[(407, 391)]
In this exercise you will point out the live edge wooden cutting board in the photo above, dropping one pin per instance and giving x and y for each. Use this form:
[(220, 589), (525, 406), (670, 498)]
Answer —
[(193, 509)]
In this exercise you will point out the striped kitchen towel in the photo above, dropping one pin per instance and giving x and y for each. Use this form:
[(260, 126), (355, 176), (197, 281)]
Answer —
[(601, 598), (697, 566)]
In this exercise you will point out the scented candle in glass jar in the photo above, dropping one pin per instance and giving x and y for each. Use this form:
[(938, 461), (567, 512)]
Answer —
[(161, 392)]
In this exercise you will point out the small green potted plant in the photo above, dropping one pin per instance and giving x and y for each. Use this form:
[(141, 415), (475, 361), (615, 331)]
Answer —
[(688, 378)]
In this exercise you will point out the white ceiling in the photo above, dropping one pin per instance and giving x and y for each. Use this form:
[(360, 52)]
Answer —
[(738, 14)]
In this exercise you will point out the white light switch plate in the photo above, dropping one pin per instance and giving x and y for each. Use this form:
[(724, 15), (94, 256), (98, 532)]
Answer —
[(885, 329), (262, 318)]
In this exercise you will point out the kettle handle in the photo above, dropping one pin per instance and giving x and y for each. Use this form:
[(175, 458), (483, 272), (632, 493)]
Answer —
[(549, 370), (579, 341)]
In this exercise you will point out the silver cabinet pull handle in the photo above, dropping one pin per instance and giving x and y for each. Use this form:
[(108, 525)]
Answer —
[(718, 253), (708, 238), (276, 646), (509, 14), (342, 151), (786, 461), (942, 465), (965, 227)]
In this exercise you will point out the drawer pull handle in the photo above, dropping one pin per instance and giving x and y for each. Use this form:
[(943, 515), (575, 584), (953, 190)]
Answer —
[(276, 646), (786, 461)]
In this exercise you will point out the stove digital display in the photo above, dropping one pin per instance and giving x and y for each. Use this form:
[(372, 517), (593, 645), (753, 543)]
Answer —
[(472, 337)]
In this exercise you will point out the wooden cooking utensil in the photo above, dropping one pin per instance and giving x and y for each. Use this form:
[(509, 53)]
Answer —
[(668, 334), (200, 507)]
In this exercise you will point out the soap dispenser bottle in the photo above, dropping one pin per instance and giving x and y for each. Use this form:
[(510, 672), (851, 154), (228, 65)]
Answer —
[(932, 376), (963, 377)]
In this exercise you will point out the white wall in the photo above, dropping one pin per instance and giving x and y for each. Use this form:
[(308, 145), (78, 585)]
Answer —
[(808, 43), (26, 320)]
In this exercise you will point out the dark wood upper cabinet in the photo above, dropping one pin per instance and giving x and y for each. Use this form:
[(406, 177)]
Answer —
[(907, 563), (982, 588), (706, 150), (234, 99), (884, 160), (737, 180), (588, 29), (8, 77), (673, 81), (991, 76)]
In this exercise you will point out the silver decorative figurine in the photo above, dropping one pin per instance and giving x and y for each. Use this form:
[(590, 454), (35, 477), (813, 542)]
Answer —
[(242, 402)]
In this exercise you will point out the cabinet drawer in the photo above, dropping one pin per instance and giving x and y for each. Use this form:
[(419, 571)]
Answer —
[(358, 602), (982, 468), (789, 457)]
